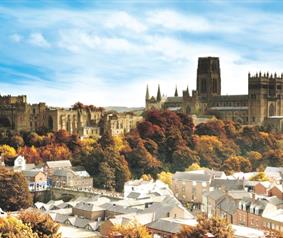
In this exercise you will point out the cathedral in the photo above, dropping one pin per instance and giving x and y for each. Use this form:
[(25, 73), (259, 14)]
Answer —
[(262, 106)]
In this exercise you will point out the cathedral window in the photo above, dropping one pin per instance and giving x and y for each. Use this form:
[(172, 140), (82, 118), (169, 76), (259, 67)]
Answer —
[(214, 85), (203, 86)]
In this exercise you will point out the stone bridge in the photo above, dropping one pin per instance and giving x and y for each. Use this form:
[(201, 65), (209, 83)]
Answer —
[(67, 194)]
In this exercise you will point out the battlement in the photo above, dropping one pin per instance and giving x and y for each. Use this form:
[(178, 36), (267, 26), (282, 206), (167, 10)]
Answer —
[(9, 99), (265, 76)]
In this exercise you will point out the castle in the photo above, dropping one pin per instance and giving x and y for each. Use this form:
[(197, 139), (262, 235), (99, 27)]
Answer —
[(262, 106), (86, 121)]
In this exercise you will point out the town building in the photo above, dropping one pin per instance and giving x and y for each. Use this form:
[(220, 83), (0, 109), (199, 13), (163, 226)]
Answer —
[(263, 105)]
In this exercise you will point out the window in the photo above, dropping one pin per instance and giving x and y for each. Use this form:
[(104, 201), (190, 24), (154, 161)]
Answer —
[(203, 86)]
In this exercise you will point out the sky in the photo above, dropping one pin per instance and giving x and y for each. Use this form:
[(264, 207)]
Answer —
[(105, 52)]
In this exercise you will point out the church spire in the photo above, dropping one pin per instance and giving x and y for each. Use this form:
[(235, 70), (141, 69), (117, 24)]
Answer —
[(147, 93), (158, 98), (176, 92)]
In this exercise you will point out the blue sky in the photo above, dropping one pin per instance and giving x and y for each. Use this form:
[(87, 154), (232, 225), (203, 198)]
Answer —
[(106, 52)]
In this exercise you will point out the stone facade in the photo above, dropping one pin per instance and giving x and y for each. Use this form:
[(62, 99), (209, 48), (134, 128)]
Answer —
[(86, 121), (263, 102)]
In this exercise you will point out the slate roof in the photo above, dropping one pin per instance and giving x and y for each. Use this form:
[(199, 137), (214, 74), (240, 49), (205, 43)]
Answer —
[(228, 205), (170, 225), (174, 99), (31, 173), (227, 184), (63, 172), (201, 177), (238, 194), (215, 195), (59, 164)]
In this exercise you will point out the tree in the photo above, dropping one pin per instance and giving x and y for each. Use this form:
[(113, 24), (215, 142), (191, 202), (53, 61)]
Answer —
[(40, 223), (165, 177), (219, 227), (146, 177), (31, 154), (193, 167), (256, 159), (130, 230), (182, 157), (7, 152), (236, 164), (11, 227), (14, 193), (261, 177)]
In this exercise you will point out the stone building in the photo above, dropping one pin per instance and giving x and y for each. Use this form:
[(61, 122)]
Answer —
[(263, 103), (121, 123), (86, 121)]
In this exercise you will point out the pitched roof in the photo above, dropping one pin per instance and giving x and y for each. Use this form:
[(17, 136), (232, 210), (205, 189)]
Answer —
[(31, 173), (238, 194), (228, 205), (170, 225), (201, 177), (215, 195), (227, 184), (59, 164)]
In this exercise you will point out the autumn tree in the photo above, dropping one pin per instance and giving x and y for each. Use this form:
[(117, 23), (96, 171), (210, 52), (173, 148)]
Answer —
[(236, 164), (7, 152), (260, 176), (193, 167), (12, 227), (40, 223), (14, 193), (130, 230), (166, 177), (219, 227)]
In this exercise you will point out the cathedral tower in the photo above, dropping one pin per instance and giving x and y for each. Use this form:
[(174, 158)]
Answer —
[(265, 97), (208, 77)]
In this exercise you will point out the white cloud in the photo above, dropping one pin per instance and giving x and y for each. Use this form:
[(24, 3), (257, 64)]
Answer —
[(38, 39), (124, 20), (175, 21), (77, 41), (17, 38)]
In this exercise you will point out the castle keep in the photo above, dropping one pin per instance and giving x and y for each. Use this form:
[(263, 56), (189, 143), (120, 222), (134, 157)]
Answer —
[(262, 105)]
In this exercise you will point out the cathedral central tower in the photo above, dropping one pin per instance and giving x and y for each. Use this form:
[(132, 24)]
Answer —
[(208, 77)]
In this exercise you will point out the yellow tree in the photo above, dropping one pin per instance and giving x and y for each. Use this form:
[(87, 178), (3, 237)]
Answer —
[(193, 167), (130, 230), (260, 176), (119, 142), (165, 177), (219, 227), (7, 152), (146, 177), (12, 227)]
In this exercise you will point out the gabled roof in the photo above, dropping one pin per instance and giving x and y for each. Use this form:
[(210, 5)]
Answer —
[(31, 173), (228, 205), (239, 194), (215, 195)]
